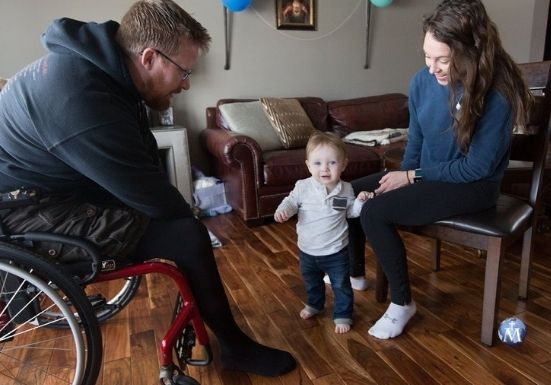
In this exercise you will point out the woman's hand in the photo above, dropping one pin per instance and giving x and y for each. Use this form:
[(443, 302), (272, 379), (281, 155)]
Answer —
[(392, 180)]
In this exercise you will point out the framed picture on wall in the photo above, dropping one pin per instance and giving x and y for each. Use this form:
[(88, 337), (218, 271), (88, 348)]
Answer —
[(296, 14)]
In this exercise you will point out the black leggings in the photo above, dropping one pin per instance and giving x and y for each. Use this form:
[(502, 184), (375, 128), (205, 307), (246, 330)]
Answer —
[(412, 205), (186, 242)]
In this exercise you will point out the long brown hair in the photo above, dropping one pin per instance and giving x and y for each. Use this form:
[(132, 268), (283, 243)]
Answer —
[(478, 63)]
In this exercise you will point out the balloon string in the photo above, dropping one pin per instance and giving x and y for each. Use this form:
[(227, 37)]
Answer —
[(313, 38), (227, 38), (367, 32)]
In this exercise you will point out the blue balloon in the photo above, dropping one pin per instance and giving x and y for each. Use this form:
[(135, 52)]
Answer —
[(381, 3), (236, 5)]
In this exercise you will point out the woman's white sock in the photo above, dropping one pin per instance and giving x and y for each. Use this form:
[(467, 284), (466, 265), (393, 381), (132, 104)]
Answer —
[(392, 323)]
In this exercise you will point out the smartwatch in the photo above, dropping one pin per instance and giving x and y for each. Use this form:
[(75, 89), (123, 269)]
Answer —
[(418, 177)]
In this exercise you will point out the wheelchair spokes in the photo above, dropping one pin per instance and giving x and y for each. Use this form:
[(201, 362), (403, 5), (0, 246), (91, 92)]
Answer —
[(104, 304), (49, 330), (31, 353)]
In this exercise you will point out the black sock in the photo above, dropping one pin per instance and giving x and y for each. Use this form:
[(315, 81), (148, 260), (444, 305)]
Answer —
[(252, 357)]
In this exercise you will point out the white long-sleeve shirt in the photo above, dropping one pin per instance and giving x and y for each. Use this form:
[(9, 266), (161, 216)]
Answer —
[(321, 229)]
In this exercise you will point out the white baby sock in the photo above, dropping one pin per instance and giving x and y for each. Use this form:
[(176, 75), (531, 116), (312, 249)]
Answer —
[(392, 323), (357, 283)]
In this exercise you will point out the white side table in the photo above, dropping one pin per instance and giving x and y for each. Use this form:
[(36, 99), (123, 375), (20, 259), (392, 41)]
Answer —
[(173, 149)]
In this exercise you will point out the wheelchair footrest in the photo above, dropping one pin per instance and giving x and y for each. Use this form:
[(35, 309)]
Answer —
[(186, 342)]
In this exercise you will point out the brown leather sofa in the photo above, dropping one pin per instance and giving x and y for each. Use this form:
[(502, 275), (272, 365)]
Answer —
[(257, 181)]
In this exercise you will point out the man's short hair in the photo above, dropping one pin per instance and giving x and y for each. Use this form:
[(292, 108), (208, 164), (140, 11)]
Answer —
[(160, 24)]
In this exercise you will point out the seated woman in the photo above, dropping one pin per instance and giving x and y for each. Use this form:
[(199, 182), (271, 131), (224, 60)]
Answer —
[(463, 106)]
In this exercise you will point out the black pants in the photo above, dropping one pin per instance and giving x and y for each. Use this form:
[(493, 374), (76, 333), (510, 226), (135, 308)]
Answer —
[(412, 205), (186, 242)]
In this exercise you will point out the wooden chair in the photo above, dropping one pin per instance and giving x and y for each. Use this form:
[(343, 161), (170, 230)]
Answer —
[(513, 217)]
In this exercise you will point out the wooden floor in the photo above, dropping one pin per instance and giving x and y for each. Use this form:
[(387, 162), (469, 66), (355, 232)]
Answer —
[(441, 345)]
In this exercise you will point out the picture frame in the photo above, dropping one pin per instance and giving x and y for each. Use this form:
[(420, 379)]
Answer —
[(296, 14)]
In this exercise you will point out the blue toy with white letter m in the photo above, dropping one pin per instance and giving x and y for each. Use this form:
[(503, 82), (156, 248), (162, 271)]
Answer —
[(512, 331)]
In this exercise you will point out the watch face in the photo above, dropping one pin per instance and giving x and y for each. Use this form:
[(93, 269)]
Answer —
[(417, 177)]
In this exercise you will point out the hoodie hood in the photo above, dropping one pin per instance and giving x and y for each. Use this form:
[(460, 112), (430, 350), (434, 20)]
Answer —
[(90, 41)]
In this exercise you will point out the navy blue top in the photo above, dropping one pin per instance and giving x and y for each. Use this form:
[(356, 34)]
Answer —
[(73, 121), (432, 145)]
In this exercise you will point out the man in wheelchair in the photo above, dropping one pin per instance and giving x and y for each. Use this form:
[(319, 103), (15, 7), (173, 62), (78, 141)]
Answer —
[(74, 131)]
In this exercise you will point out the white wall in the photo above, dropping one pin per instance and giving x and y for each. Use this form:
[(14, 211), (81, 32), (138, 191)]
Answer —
[(328, 62)]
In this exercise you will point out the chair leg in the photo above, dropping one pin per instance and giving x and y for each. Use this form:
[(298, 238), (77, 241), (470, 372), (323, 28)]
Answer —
[(525, 262), (381, 285), (435, 246), (492, 285)]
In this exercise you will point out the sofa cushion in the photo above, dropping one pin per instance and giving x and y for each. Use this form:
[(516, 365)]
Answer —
[(289, 121), (285, 167), (369, 113), (248, 118), (315, 108)]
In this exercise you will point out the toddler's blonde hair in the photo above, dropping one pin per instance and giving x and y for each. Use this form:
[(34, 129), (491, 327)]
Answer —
[(320, 138)]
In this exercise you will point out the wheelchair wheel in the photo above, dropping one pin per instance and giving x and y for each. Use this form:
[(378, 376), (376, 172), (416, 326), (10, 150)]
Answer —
[(109, 298), (106, 298), (33, 296)]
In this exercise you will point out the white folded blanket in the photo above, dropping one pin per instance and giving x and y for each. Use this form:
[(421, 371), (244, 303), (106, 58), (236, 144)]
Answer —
[(377, 137)]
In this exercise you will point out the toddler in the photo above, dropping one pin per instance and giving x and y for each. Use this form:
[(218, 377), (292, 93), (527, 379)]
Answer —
[(322, 203)]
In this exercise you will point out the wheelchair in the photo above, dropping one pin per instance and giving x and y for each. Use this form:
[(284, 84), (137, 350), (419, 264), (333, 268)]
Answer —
[(50, 319)]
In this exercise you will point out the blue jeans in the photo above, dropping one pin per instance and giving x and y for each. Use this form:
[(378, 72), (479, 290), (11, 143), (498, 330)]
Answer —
[(336, 266)]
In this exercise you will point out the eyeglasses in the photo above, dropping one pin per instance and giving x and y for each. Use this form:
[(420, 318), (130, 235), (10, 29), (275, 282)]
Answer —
[(185, 73)]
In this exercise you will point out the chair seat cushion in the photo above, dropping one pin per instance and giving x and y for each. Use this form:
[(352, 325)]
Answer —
[(508, 216)]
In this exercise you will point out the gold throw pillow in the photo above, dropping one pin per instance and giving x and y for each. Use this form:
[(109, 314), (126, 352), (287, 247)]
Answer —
[(289, 121)]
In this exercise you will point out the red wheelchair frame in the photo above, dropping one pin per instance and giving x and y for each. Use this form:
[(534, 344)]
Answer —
[(100, 269), (188, 313)]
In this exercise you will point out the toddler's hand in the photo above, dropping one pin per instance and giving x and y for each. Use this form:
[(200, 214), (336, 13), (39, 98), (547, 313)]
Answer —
[(365, 195), (281, 216)]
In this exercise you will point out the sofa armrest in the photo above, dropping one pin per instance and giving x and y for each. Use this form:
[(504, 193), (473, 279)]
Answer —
[(237, 161), (234, 150)]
